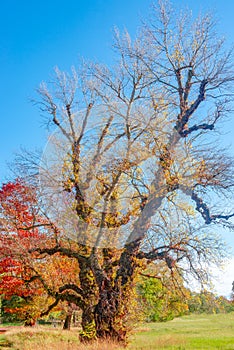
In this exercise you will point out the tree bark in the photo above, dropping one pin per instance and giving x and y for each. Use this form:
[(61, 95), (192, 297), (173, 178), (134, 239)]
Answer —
[(67, 322), (109, 319), (88, 333), (90, 297)]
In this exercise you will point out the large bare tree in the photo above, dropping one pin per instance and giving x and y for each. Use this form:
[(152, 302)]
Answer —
[(132, 173)]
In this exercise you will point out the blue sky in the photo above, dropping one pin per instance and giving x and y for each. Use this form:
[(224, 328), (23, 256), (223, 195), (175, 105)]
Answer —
[(35, 36)]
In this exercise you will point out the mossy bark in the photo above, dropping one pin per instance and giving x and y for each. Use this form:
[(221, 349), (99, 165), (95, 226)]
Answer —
[(108, 295), (88, 324), (88, 284)]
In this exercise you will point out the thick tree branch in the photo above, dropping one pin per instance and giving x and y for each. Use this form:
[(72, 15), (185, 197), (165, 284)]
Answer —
[(28, 228), (195, 127), (184, 117), (58, 249), (72, 287), (63, 297), (58, 124), (154, 254), (50, 308), (203, 208)]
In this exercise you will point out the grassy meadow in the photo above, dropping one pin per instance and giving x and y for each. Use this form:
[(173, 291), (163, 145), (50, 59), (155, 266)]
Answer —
[(184, 333)]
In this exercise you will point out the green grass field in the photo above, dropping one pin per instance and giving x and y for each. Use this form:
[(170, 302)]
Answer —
[(185, 333), (188, 332)]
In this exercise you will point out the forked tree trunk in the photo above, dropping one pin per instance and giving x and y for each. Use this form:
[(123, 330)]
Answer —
[(107, 319), (107, 299)]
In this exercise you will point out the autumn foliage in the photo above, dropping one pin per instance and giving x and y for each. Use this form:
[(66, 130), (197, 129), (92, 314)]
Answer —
[(22, 273)]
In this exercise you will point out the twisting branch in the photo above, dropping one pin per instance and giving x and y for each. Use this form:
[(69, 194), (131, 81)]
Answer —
[(58, 249), (150, 276), (195, 127), (63, 294), (49, 291), (50, 308), (58, 124), (28, 228), (72, 287), (203, 208), (63, 297), (154, 254), (184, 117)]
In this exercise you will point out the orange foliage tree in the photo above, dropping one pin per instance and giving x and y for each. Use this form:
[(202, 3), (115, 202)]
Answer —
[(23, 228)]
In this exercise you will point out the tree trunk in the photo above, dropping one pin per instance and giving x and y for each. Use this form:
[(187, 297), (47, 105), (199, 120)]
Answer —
[(88, 324), (87, 283), (112, 313), (107, 299), (29, 321), (108, 319), (67, 323)]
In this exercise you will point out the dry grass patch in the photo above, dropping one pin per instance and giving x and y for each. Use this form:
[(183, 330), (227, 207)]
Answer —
[(157, 342), (39, 338)]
